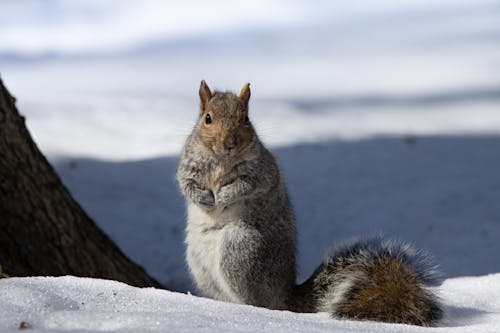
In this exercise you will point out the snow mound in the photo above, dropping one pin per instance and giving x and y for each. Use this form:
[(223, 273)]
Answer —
[(49, 304)]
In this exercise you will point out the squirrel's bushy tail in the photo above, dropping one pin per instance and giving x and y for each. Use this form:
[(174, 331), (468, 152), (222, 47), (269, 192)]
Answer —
[(373, 279)]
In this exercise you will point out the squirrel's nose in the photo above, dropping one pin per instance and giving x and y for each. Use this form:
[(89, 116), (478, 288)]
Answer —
[(229, 142)]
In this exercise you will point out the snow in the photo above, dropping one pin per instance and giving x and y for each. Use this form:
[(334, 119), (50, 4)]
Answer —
[(50, 304), (384, 117), (352, 70), (70, 27), (140, 128)]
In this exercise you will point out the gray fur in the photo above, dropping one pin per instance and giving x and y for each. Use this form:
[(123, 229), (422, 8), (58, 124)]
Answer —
[(347, 270), (240, 226), (253, 223)]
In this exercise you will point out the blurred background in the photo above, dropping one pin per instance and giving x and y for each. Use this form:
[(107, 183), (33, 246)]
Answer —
[(78, 67), (385, 115)]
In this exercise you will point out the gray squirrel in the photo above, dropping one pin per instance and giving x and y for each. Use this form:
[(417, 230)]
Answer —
[(240, 233)]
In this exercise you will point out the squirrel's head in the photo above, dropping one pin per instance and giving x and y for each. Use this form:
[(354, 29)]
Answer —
[(223, 126)]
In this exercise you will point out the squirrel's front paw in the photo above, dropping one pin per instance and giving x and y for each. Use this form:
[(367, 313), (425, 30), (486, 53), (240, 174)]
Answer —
[(206, 199), (224, 196)]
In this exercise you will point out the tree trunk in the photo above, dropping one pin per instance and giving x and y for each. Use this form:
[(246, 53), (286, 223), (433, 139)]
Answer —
[(43, 230)]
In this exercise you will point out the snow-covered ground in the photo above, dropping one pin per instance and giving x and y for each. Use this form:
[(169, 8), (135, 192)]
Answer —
[(90, 305), (385, 119)]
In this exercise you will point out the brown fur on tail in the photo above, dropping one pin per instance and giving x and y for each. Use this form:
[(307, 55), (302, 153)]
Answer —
[(389, 291), (373, 279)]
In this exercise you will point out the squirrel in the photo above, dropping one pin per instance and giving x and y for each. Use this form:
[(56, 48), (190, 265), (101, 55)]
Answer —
[(241, 239)]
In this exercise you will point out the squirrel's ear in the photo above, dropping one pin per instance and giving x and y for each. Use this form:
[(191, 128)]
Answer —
[(205, 94), (245, 93)]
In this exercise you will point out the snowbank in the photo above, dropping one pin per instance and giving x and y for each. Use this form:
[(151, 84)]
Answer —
[(92, 305)]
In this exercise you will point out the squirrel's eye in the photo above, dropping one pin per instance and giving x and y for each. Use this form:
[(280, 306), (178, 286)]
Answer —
[(247, 121), (208, 119)]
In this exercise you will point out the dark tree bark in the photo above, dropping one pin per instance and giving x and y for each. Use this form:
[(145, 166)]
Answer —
[(43, 230)]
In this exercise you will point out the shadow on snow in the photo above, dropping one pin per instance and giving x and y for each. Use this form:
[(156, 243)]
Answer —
[(440, 193)]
